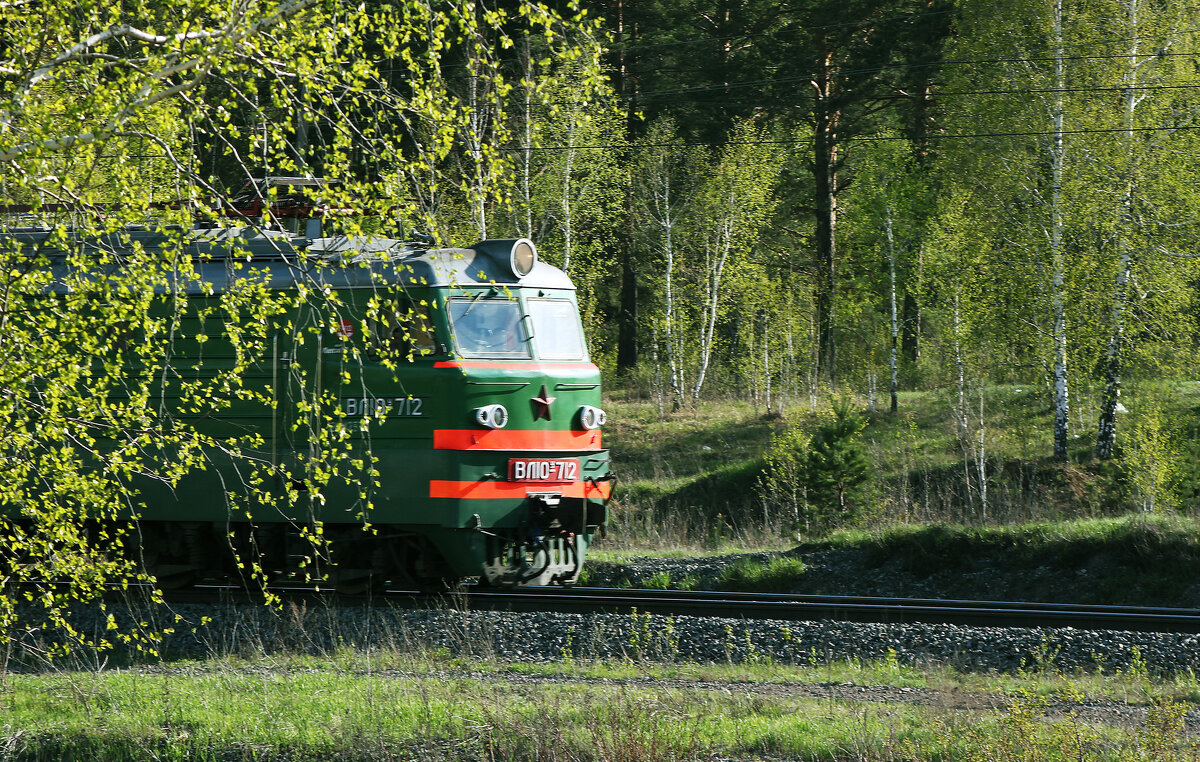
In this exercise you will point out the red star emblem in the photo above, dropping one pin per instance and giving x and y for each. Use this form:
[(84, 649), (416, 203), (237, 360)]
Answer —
[(541, 404)]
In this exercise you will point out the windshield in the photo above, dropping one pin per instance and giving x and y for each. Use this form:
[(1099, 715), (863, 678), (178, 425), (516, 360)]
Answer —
[(485, 327), (556, 329)]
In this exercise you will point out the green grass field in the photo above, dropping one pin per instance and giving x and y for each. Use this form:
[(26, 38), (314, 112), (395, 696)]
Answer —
[(692, 484), (393, 705)]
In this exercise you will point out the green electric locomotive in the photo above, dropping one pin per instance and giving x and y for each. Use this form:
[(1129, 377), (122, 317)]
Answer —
[(468, 413)]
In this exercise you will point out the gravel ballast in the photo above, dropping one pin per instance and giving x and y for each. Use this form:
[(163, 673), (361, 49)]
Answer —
[(246, 629)]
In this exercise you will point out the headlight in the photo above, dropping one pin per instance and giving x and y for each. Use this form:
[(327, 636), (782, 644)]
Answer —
[(517, 255), (592, 417), (492, 416)]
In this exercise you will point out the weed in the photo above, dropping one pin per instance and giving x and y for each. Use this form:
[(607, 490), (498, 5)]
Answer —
[(1043, 656), (671, 638), (1138, 670), (567, 651), (660, 580), (755, 575), (1164, 725)]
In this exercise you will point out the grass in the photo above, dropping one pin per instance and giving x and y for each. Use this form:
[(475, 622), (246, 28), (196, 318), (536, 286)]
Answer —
[(1133, 560), (690, 486), (694, 479), (754, 576), (386, 705)]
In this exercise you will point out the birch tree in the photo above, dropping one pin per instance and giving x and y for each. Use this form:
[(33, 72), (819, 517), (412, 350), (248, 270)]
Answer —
[(737, 203), (664, 196), (1148, 128), (148, 113), (884, 224), (1027, 177)]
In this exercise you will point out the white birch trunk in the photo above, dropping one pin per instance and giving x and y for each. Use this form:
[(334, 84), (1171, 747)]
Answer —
[(789, 371), (894, 383), (476, 125), (663, 213), (981, 462), (567, 209), (1106, 432), (673, 364), (960, 413), (724, 245), (1062, 406), (767, 364)]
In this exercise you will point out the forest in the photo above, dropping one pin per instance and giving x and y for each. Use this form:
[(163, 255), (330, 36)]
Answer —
[(808, 205), (882, 196)]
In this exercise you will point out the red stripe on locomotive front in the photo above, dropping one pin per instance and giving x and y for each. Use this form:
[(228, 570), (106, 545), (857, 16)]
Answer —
[(490, 490), (503, 439)]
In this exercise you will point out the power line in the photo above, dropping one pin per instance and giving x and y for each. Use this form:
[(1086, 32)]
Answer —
[(880, 69), (812, 27), (857, 139), (1104, 90), (868, 22)]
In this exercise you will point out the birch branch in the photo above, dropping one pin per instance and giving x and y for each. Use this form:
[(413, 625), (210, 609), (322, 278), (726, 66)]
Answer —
[(229, 36)]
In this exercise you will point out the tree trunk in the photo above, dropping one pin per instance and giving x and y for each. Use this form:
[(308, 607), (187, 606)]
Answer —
[(960, 414), (567, 209), (627, 316), (1062, 406), (910, 328), (894, 382), (824, 169), (673, 364), (1106, 432), (723, 245)]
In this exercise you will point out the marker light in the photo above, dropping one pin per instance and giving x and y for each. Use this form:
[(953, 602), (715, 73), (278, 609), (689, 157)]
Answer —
[(592, 417), (492, 416)]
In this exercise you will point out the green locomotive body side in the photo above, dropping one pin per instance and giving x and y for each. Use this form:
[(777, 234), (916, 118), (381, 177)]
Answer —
[(442, 491)]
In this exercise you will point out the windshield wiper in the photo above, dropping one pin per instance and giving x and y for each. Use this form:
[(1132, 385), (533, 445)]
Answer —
[(474, 299)]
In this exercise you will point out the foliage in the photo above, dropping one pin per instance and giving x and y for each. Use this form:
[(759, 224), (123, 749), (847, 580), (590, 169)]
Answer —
[(701, 235), (826, 470), (834, 467), (1152, 456), (152, 115), (1038, 198), (957, 194)]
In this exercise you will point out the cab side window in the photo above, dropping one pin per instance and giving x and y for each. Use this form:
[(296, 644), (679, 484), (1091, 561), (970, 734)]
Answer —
[(404, 331)]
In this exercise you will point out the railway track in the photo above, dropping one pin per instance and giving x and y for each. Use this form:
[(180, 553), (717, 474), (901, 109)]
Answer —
[(758, 606)]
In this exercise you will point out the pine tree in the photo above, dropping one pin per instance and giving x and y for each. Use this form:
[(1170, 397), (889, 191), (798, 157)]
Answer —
[(835, 468)]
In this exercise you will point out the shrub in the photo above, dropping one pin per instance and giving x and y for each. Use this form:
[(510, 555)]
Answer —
[(821, 477)]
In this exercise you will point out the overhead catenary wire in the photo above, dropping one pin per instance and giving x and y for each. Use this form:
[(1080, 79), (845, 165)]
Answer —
[(1103, 89), (632, 145), (742, 38), (811, 27), (808, 77)]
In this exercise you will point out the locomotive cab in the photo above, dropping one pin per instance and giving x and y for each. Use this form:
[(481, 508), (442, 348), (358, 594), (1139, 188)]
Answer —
[(496, 442)]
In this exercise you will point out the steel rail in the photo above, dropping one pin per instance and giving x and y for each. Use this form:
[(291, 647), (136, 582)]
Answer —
[(849, 609), (843, 608)]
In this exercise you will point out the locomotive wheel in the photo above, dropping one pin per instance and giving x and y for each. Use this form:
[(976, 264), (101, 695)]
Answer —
[(443, 585), (358, 581), (174, 576)]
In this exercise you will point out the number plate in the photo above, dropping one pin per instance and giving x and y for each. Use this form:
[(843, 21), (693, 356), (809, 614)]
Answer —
[(553, 470)]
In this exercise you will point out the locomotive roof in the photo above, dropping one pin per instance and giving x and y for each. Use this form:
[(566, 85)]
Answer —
[(290, 260)]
